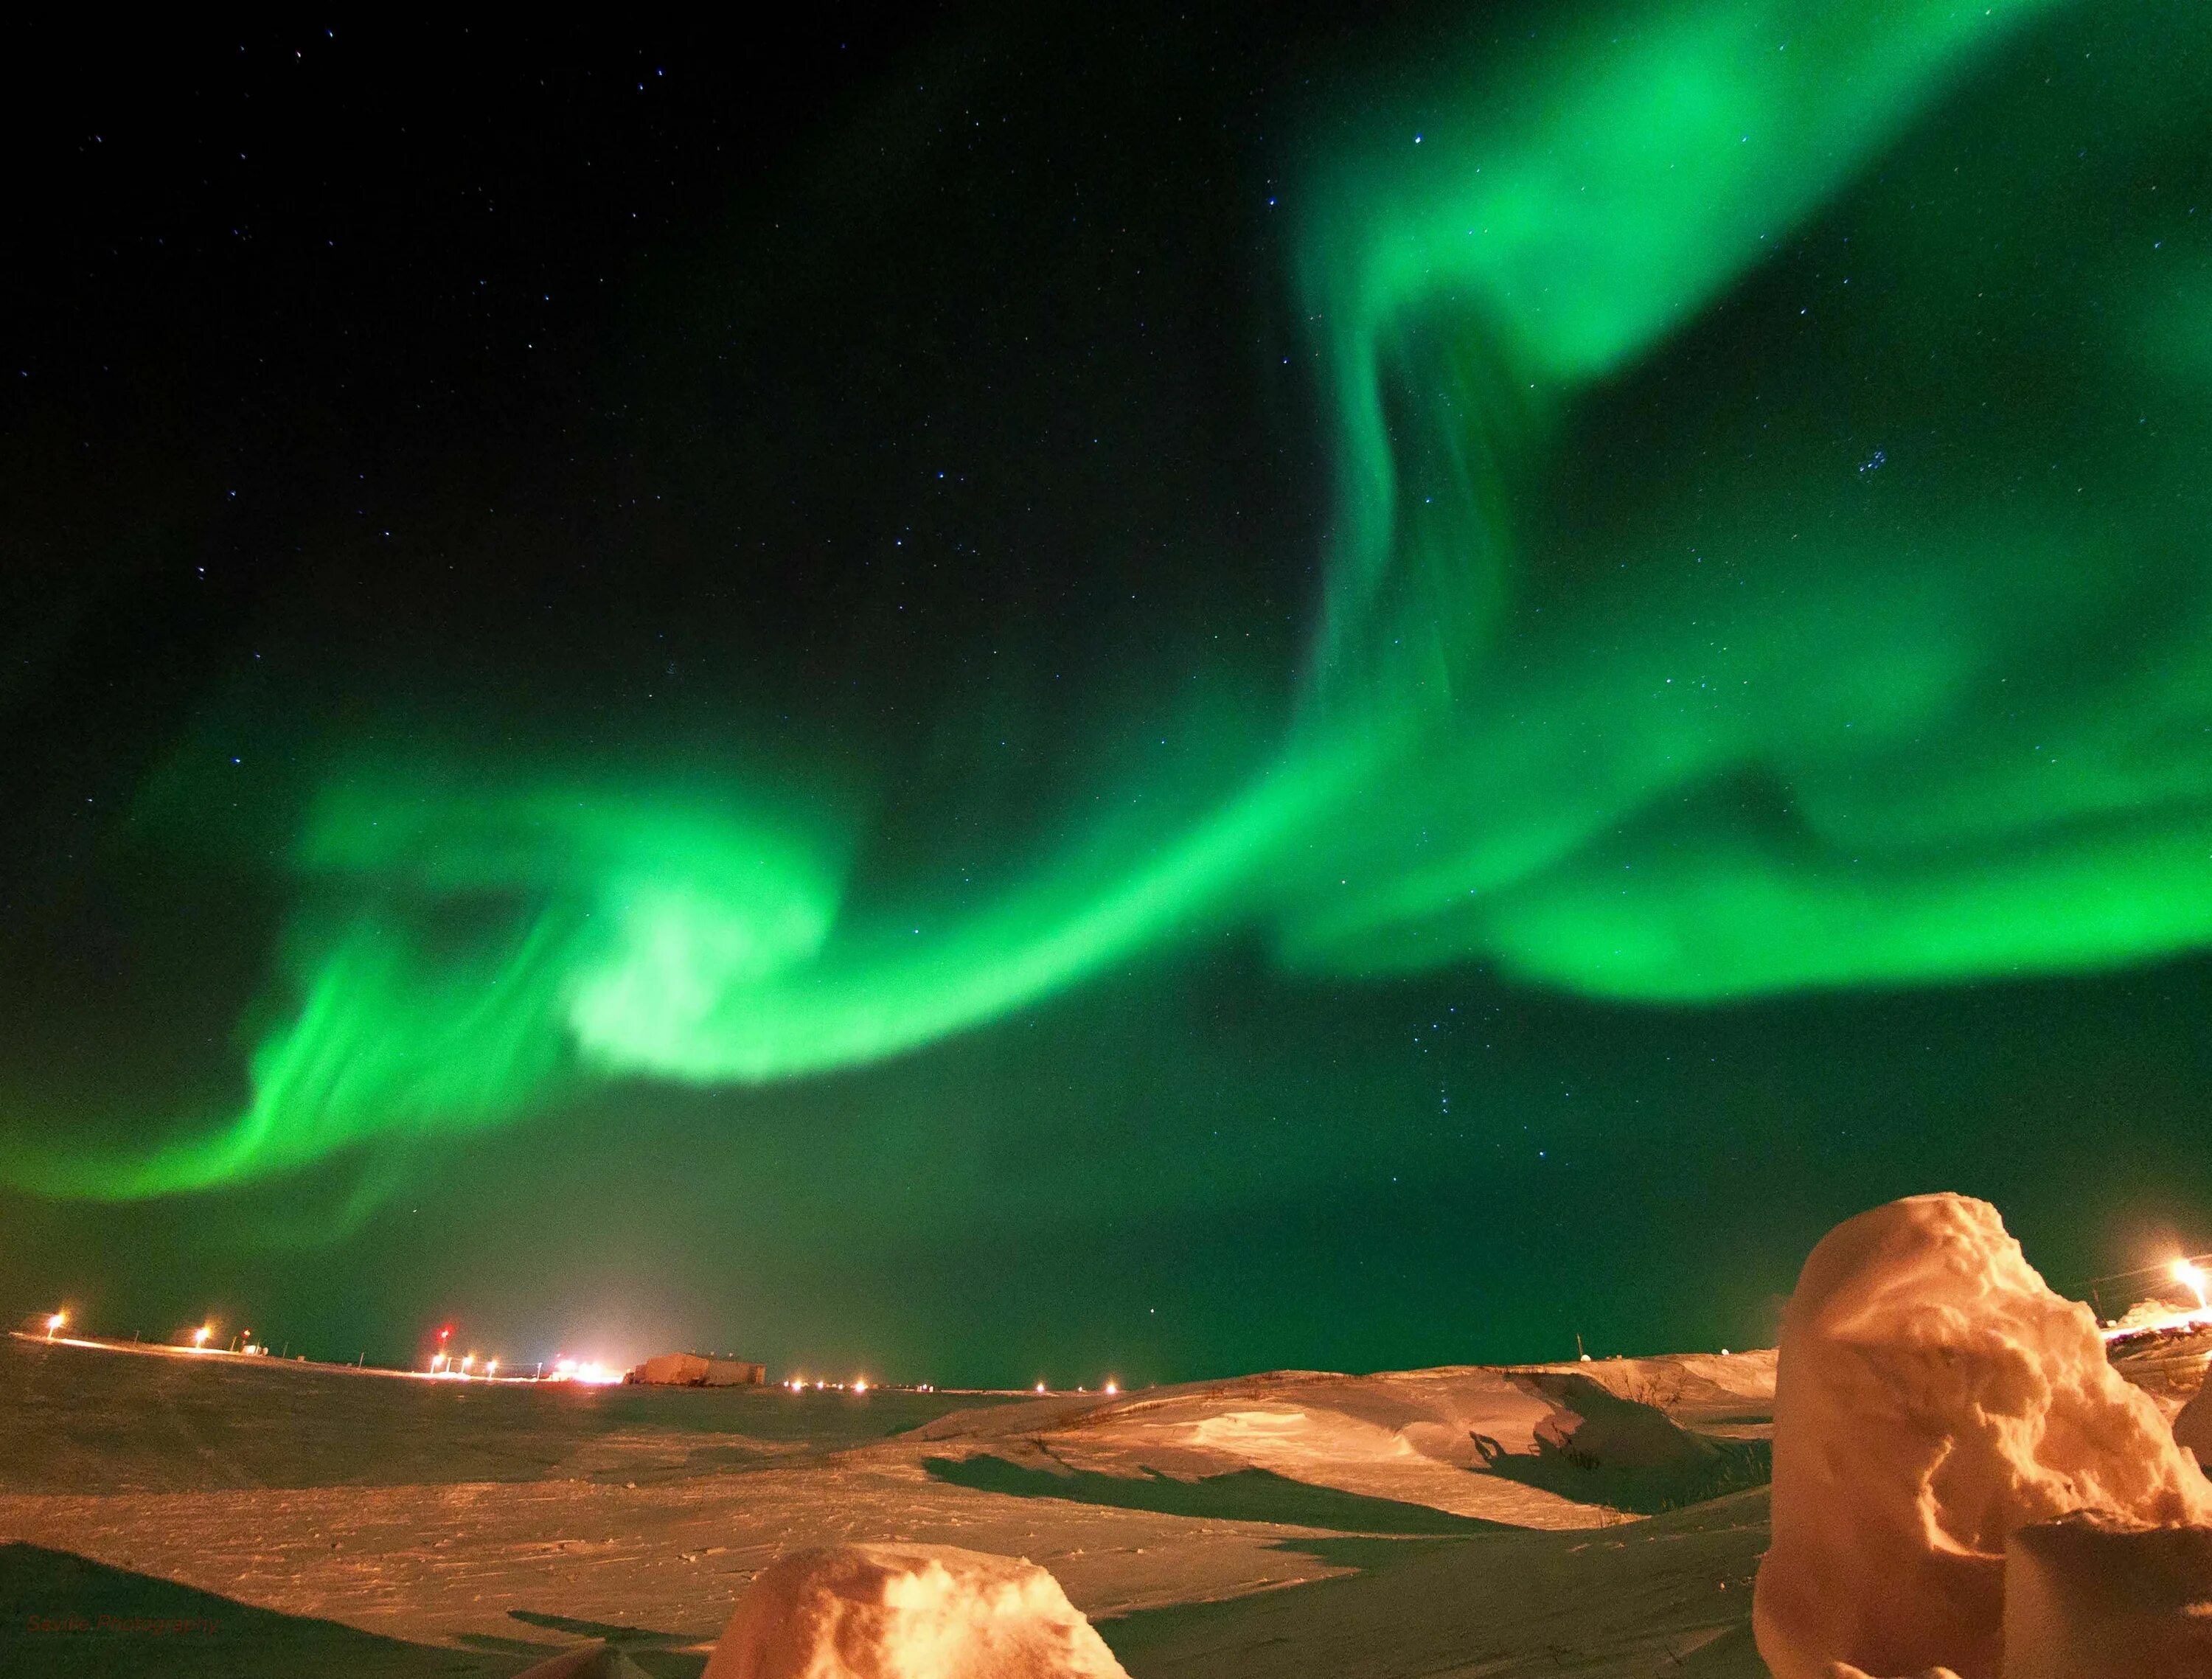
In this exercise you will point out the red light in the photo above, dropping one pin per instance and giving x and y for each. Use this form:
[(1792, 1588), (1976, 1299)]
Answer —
[(443, 1333)]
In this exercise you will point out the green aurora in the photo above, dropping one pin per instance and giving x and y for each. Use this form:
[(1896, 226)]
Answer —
[(1721, 714)]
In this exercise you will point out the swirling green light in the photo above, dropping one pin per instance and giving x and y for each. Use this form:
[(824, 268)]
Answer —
[(1806, 722)]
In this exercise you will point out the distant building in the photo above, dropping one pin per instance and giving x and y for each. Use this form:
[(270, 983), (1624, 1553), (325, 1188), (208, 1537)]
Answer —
[(694, 1369)]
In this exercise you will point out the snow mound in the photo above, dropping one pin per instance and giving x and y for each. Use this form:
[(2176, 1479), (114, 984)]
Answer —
[(2091, 1598), (1553, 1446), (907, 1612), (1591, 1424), (1933, 1397)]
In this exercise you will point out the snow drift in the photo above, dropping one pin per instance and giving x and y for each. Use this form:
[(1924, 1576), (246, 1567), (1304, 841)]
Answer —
[(1935, 1398), (1558, 1446), (903, 1611)]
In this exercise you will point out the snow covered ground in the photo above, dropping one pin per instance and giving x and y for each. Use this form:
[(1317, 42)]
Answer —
[(1598, 1519)]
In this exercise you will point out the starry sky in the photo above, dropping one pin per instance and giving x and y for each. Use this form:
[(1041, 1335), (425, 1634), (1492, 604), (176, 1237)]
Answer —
[(987, 699)]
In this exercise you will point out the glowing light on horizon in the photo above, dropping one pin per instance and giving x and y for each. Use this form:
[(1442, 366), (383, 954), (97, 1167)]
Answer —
[(2142, 1319), (2191, 1276), (587, 1372)]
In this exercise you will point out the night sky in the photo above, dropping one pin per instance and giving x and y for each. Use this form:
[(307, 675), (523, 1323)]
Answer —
[(980, 699)]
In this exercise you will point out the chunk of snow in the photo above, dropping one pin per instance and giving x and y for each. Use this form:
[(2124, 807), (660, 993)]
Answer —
[(1933, 1397), (2088, 1598), (897, 1611)]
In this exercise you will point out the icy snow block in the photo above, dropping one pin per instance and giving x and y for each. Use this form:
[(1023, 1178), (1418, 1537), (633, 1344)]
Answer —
[(1933, 1398), (907, 1612), (2091, 1598)]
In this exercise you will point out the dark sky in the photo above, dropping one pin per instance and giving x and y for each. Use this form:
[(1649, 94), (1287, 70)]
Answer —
[(981, 700)]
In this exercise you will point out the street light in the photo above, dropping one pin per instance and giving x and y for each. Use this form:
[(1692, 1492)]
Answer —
[(2192, 1278), (200, 1337), (54, 1320)]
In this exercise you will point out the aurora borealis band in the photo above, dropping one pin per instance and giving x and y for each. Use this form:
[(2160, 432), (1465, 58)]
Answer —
[(1729, 533)]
